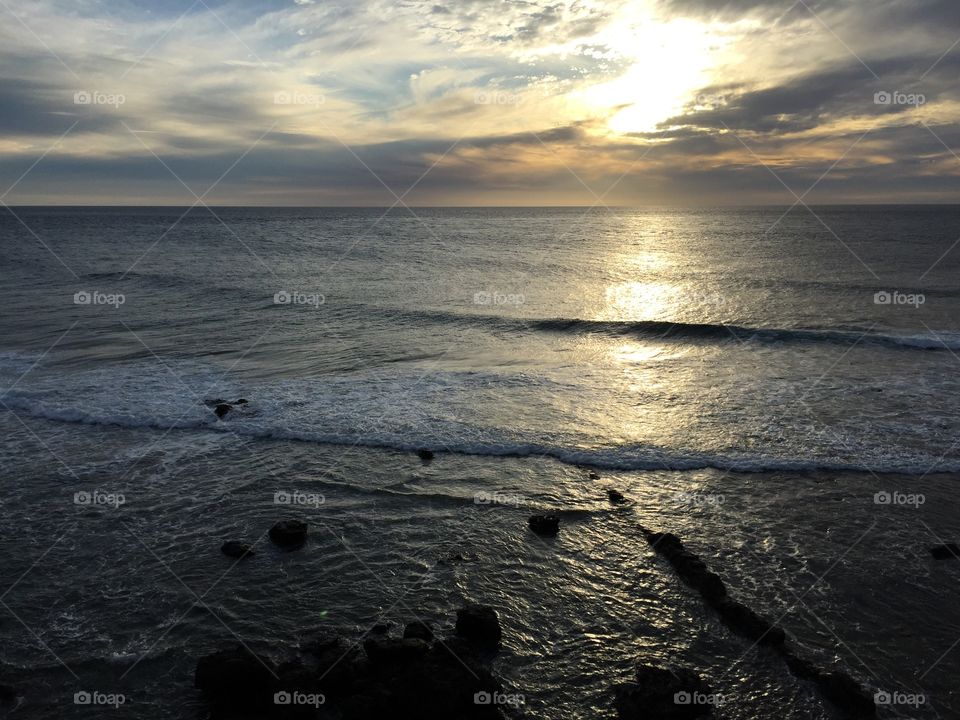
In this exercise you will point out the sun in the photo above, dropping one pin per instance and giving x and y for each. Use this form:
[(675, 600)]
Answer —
[(669, 62)]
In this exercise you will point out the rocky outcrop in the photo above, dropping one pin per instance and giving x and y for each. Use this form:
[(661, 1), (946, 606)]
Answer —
[(663, 694), (389, 677), (479, 625), (545, 524), (289, 534)]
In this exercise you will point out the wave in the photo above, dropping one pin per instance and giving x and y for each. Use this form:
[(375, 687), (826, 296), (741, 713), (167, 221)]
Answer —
[(665, 329), (616, 458)]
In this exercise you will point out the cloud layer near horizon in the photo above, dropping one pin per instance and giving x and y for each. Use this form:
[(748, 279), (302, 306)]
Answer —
[(306, 102)]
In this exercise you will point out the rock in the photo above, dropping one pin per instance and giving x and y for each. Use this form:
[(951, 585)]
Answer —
[(744, 621), (382, 650), (289, 533), (8, 694), (241, 401), (480, 625), (380, 629), (844, 692), (236, 549), (593, 475), (222, 409), (615, 497), (545, 524), (425, 454), (236, 678), (945, 552), (418, 629), (663, 694)]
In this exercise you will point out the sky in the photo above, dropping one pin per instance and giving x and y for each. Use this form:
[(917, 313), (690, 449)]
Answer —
[(479, 102)]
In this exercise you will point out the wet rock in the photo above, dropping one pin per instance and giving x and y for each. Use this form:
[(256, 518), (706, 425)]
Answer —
[(241, 401), (945, 552), (480, 625), (289, 534), (380, 629), (593, 475), (418, 629), (382, 650), (691, 569), (222, 409), (545, 524), (236, 549), (237, 678), (744, 621), (847, 694), (615, 496), (662, 694), (425, 454), (8, 694)]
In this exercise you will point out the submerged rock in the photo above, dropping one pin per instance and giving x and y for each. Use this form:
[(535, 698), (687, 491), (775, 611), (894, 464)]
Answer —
[(289, 533), (480, 625), (615, 496), (236, 549), (418, 629), (945, 552), (425, 454), (593, 475), (222, 409), (545, 524), (659, 693), (241, 401)]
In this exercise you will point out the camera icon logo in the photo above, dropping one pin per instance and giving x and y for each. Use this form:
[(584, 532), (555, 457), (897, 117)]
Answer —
[(882, 298), (82, 498), (282, 298), (482, 698), (882, 697), (282, 698), (82, 97), (281, 497), (82, 298), (882, 98), (82, 698), (682, 698), (882, 498)]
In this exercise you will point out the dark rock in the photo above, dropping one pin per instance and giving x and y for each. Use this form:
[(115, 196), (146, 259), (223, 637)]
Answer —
[(237, 678), (289, 533), (8, 694), (236, 549), (593, 475), (383, 650), (380, 629), (615, 496), (418, 629), (847, 694), (663, 694), (425, 454), (480, 625), (545, 524), (744, 621), (222, 409), (945, 552), (241, 401)]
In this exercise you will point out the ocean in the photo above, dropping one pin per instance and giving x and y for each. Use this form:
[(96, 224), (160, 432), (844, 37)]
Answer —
[(776, 386)]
